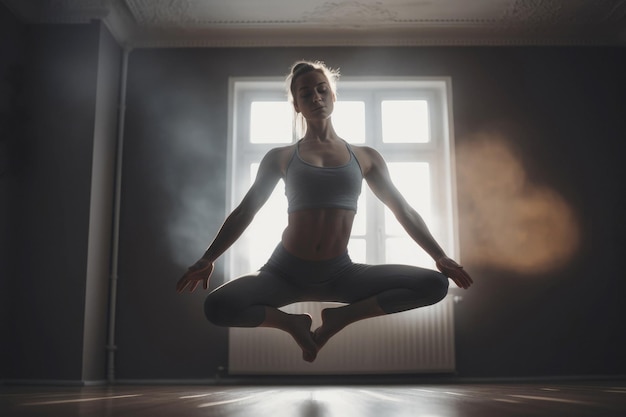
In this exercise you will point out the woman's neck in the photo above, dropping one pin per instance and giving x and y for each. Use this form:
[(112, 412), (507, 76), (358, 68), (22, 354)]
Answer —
[(320, 131)]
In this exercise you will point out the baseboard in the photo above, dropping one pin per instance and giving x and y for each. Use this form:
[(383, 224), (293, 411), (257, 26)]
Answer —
[(53, 382), (168, 382), (322, 380), (420, 379)]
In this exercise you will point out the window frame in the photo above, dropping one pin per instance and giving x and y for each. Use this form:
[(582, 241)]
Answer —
[(439, 151)]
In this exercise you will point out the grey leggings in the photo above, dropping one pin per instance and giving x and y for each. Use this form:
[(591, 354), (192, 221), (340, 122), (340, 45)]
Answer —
[(286, 279)]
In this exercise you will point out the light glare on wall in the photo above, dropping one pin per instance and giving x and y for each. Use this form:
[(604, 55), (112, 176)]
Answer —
[(509, 221)]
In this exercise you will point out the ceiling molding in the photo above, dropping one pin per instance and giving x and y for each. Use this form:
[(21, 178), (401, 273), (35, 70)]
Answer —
[(59, 11), (566, 12), (216, 23), (351, 12)]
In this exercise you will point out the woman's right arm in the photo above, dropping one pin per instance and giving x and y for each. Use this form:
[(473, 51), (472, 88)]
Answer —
[(269, 174)]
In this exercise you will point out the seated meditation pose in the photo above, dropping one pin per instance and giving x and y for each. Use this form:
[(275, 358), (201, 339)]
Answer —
[(323, 175)]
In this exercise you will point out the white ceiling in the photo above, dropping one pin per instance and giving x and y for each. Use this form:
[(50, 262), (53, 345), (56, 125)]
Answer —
[(157, 23)]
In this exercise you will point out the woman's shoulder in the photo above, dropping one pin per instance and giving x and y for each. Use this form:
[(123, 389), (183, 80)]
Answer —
[(368, 157), (366, 153), (281, 151), (280, 155), (362, 148)]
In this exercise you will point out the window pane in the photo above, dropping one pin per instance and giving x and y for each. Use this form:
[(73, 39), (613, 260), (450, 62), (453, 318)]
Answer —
[(403, 250), (265, 231), (356, 250), (413, 181), (271, 122), (358, 227), (349, 120), (405, 121)]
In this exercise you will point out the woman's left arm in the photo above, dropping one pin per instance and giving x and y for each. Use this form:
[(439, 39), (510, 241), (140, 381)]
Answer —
[(377, 176)]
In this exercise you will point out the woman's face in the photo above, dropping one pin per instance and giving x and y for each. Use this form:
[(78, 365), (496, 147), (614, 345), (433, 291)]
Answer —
[(313, 96)]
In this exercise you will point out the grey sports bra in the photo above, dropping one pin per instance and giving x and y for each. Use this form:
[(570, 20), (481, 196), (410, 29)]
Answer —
[(308, 186)]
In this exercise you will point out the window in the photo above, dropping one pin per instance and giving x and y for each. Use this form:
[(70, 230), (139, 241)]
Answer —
[(406, 120)]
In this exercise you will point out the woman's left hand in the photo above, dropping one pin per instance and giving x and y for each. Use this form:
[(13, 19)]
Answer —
[(454, 271), (200, 272)]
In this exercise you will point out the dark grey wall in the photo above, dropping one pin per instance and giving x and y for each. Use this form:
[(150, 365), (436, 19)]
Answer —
[(11, 84), (549, 305), (53, 202), (56, 245)]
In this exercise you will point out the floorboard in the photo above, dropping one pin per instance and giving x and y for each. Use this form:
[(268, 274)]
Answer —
[(572, 399)]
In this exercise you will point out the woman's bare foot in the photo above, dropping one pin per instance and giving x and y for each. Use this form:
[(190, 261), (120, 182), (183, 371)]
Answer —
[(297, 325), (301, 332), (330, 327)]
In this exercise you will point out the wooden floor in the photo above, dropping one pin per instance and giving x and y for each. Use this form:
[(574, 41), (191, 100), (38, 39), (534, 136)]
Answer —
[(589, 398)]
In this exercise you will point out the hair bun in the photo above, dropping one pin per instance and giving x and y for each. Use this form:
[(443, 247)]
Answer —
[(300, 66)]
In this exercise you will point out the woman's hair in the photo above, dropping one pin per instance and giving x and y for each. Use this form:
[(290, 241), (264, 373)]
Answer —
[(301, 68), (304, 67)]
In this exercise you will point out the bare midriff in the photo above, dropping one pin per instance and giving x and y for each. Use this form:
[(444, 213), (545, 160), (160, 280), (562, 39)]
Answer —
[(318, 234)]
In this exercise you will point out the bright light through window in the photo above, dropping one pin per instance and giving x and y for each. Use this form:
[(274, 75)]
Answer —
[(405, 121), (413, 181), (358, 243), (265, 231), (270, 122), (402, 119), (349, 120), (357, 250), (403, 250)]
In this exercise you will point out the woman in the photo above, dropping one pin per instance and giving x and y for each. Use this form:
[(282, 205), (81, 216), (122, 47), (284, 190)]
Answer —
[(323, 177)]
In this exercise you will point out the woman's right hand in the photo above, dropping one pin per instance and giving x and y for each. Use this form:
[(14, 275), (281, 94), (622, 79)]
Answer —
[(200, 271), (454, 271)]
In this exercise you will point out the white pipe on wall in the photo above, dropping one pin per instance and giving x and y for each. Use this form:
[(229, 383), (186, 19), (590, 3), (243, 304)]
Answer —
[(111, 347)]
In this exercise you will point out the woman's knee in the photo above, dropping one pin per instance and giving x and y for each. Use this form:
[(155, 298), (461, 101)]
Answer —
[(432, 289), (429, 285), (226, 310), (440, 286), (217, 309)]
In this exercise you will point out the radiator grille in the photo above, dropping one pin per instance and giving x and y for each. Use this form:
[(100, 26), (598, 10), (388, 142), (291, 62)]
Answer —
[(416, 341)]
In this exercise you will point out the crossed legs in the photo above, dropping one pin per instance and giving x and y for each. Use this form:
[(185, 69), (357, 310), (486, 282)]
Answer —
[(254, 301), (376, 290), (368, 291)]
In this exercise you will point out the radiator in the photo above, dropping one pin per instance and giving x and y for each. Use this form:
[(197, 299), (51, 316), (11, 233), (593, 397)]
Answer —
[(416, 341)]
